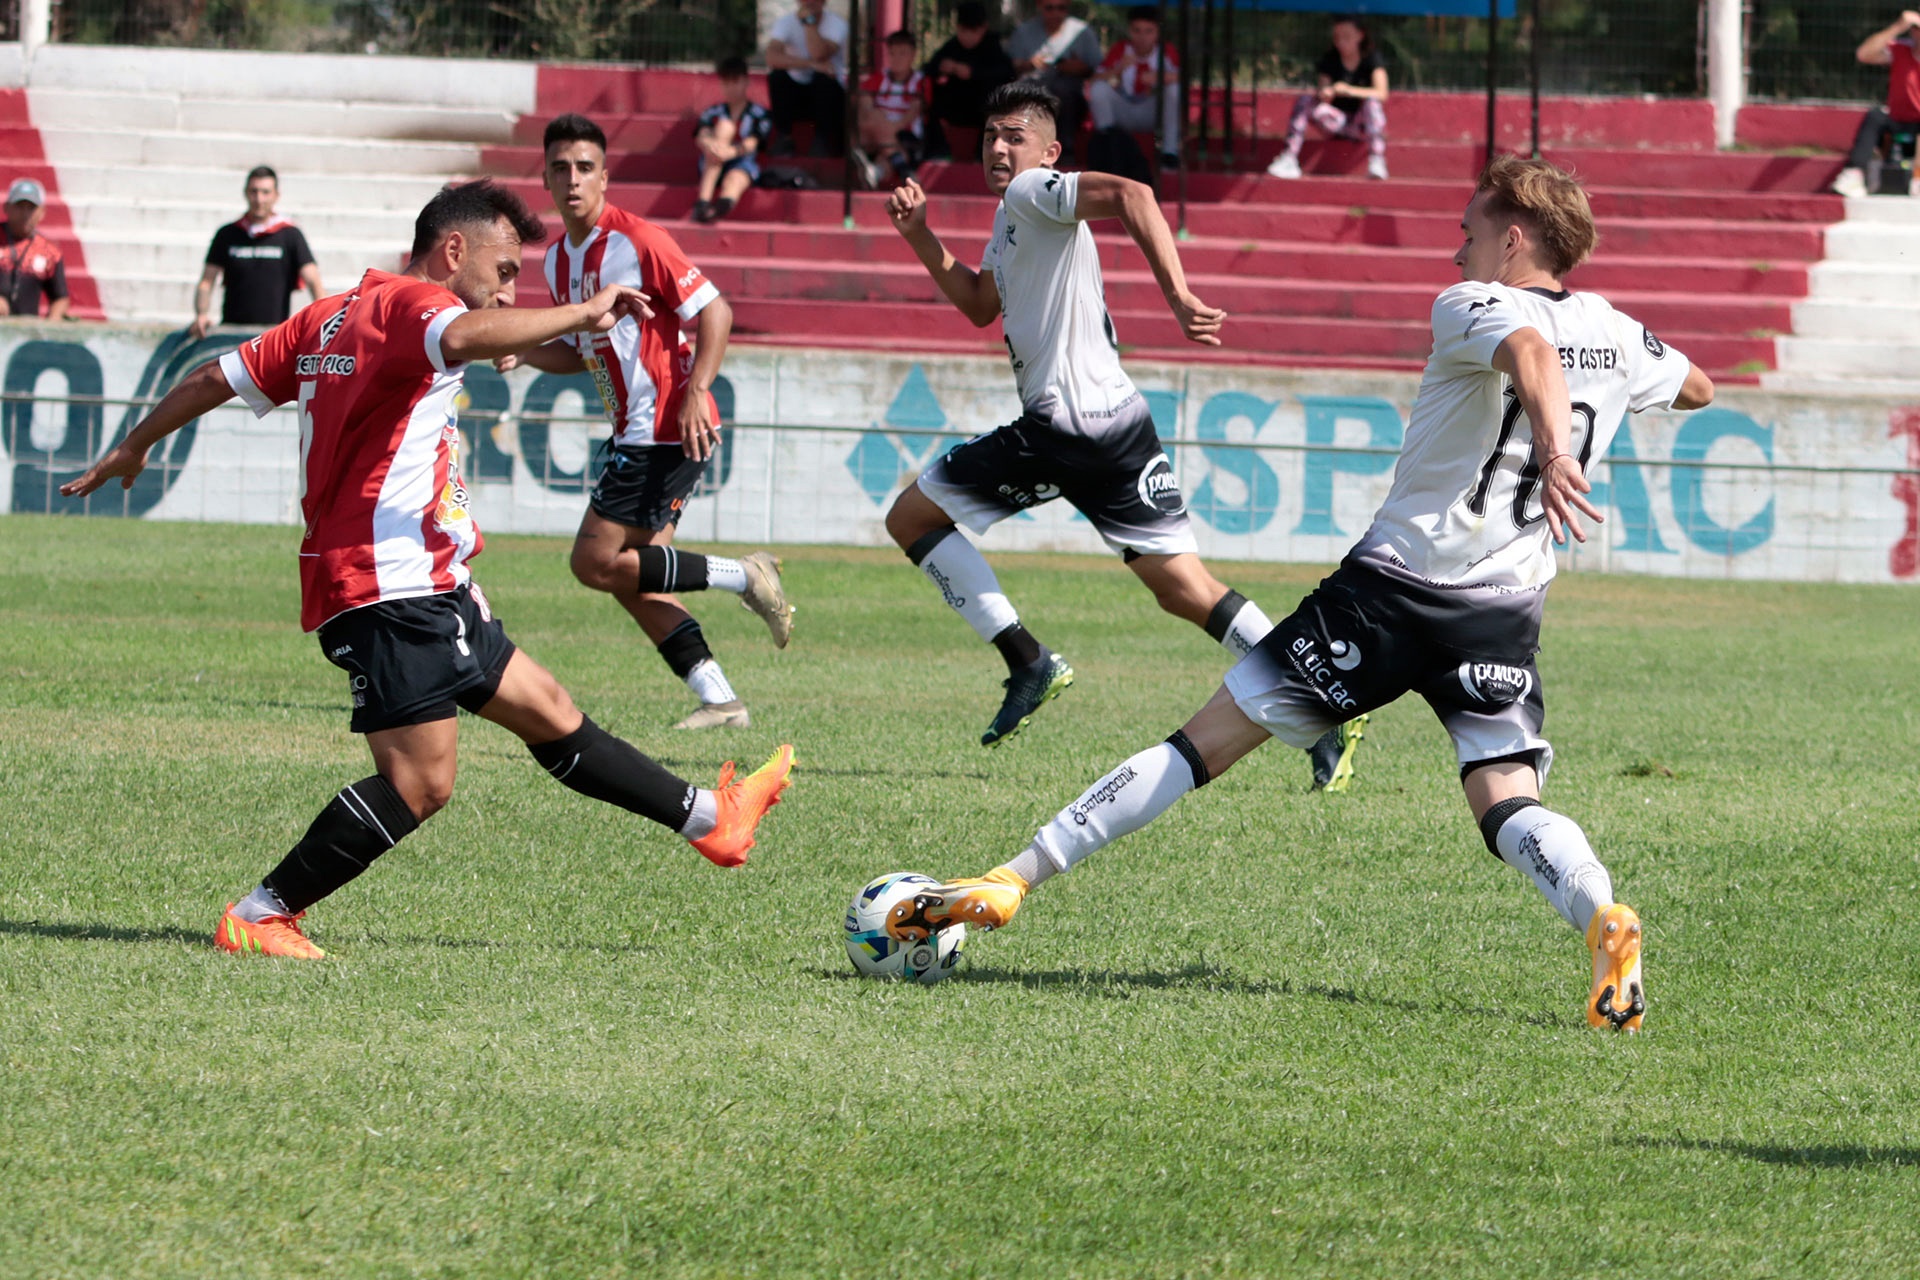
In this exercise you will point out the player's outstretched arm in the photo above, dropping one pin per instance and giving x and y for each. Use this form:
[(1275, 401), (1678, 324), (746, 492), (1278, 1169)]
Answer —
[(1106, 195), (1540, 382), (505, 331), (558, 356), (201, 391), (973, 292)]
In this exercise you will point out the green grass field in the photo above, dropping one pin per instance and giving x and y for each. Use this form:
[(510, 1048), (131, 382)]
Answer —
[(1275, 1034)]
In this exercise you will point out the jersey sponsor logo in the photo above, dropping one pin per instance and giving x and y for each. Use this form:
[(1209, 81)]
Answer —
[(266, 251), (341, 652), (431, 312), (1473, 310), (1317, 671), (589, 283), (1345, 654), (1496, 682), (693, 273), (1102, 794), (1159, 489), (312, 366), (1656, 348)]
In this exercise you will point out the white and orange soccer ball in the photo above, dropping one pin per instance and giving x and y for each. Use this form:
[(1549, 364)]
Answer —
[(877, 955)]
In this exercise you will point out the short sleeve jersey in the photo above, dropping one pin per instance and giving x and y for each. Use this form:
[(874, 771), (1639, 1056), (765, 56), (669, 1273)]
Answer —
[(791, 32), (260, 263), (34, 268), (640, 369), (754, 122), (897, 97), (1336, 72), (1903, 85), (1066, 356), (386, 513), (1121, 58), (1464, 509)]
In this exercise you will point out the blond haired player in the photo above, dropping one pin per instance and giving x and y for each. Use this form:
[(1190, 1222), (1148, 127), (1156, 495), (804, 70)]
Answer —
[(1442, 595)]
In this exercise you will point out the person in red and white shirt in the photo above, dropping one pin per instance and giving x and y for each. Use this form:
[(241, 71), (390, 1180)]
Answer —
[(893, 109), (658, 395), (383, 559), (1136, 74), (1896, 48)]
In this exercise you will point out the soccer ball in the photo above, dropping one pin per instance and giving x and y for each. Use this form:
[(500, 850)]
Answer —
[(877, 955)]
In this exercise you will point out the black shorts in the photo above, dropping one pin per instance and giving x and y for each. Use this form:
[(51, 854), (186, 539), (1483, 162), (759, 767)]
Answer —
[(1121, 481), (1362, 639), (646, 487), (414, 661)]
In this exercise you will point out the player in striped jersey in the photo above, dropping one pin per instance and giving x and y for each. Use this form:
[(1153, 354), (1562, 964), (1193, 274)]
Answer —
[(893, 109), (383, 561), (1443, 594), (666, 428)]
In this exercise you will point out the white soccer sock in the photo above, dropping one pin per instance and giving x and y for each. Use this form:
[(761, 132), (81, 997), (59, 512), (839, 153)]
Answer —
[(726, 575), (967, 581), (702, 817), (1142, 788), (260, 904), (1248, 628), (1553, 850), (709, 683)]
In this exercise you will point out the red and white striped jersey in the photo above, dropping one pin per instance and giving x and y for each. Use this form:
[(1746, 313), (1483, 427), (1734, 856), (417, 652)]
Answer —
[(386, 513), (640, 369), (1130, 66), (897, 97)]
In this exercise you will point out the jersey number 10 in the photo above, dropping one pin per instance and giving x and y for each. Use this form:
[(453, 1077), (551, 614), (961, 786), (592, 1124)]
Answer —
[(1526, 490)]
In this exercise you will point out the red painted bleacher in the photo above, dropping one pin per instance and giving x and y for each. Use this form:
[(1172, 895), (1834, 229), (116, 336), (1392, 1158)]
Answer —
[(23, 156)]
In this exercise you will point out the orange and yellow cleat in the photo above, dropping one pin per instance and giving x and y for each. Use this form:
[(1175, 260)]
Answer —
[(742, 803), (274, 936), (1618, 999), (986, 903)]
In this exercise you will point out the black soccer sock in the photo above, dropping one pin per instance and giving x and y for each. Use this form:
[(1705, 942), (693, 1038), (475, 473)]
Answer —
[(1225, 610), (685, 648), (1018, 647), (595, 763), (664, 569), (361, 823)]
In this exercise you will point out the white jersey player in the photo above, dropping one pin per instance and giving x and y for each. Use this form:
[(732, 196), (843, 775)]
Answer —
[(1442, 595), (1084, 433)]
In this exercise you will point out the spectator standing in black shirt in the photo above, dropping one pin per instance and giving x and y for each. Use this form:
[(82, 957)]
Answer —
[(264, 259), (964, 70), (1349, 99), (30, 264)]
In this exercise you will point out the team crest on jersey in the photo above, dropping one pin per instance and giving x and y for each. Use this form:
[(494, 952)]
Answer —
[(1499, 683), (589, 283), (1158, 487), (332, 326), (1656, 348)]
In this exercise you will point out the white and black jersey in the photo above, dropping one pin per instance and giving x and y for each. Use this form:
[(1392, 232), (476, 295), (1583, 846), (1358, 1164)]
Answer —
[(1464, 510), (1066, 356)]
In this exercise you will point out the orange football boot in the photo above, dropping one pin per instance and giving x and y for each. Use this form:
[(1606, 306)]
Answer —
[(274, 936), (742, 803), (986, 903), (1618, 999)]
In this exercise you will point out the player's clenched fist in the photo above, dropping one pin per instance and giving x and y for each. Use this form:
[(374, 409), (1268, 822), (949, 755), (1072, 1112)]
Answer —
[(1198, 321), (907, 206)]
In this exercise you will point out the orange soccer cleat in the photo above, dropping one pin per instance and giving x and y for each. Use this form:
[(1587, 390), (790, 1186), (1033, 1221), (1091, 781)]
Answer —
[(742, 803), (986, 903), (273, 936), (1618, 999)]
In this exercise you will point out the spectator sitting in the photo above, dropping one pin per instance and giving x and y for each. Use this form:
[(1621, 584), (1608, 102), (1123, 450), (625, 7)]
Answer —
[(1351, 97), (893, 107), (729, 135), (1896, 48), (968, 67), (1123, 92), (1059, 51), (264, 259), (806, 78), (33, 263)]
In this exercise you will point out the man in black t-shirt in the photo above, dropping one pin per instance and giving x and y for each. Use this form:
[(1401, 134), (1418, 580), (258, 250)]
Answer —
[(1349, 99), (31, 266), (264, 259), (964, 70)]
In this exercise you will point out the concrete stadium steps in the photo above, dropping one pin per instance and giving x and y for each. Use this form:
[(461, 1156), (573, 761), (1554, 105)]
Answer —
[(1861, 317), (291, 117), (24, 153)]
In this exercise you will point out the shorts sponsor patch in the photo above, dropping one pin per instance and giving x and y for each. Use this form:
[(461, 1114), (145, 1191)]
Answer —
[(1159, 488), (1496, 683)]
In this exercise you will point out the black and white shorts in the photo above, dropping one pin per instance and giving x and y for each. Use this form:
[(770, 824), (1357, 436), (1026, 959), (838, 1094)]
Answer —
[(1362, 639), (414, 661), (1121, 481), (645, 486)]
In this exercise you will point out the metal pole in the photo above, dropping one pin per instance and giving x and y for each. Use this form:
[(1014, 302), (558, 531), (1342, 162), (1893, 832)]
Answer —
[(850, 121), (1186, 29), (1206, 81), (1533, 74), (1168, 145), (1226, 126), (1493, 71)]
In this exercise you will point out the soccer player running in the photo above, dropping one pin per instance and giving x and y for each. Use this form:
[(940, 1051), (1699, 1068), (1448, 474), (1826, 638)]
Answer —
[(1084, 433), (383, 562), (666, 426), (1442, 596)]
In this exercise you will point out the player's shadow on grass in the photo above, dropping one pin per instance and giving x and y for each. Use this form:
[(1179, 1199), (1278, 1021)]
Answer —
[(103, 932), (1838, 1156)]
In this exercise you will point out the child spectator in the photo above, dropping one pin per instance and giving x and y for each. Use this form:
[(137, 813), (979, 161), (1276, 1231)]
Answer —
[(1124, 90), (730, 135), (968, 67), (893, 105), (1350, 100)]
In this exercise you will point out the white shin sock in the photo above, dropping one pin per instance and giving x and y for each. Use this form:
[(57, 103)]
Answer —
[(968, 583), (709, 683), (1553, 851), (1143, 787)]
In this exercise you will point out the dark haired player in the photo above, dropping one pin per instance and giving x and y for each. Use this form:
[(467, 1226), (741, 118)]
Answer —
[(1084, 434), (383, 563), (1443, 594), (658, 396)]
